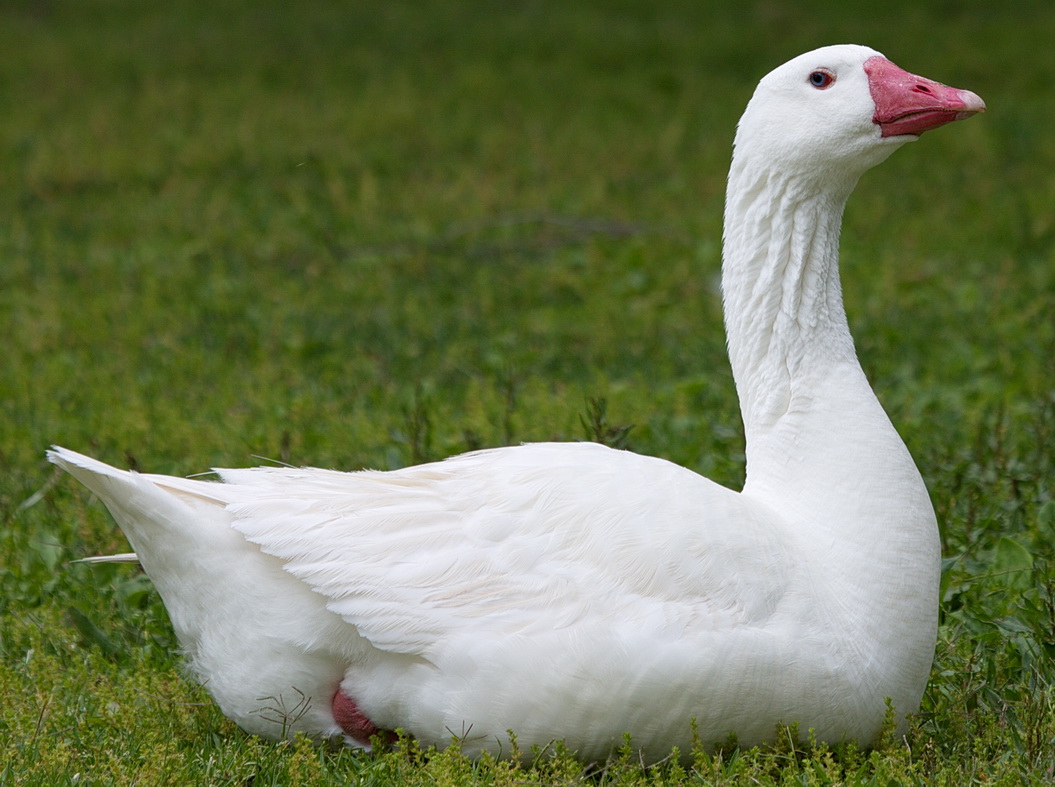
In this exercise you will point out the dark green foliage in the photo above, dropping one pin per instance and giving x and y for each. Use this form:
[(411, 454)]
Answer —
[(368, 234)]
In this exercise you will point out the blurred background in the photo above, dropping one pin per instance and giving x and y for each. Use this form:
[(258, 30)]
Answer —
[(233, 227)]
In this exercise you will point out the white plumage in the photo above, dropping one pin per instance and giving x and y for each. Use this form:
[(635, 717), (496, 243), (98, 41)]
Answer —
[(571, 591)]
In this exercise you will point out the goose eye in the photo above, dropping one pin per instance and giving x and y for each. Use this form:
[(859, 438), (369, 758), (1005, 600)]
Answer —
[(822, 79)]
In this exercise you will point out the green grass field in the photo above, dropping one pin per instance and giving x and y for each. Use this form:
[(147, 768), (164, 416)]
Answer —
[(370, 234)]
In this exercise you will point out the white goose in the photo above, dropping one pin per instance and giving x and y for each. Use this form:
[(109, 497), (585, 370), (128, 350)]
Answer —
[(571, 591)]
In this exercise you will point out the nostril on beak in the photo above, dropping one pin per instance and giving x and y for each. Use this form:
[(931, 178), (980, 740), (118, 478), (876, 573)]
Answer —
[(921, 88)]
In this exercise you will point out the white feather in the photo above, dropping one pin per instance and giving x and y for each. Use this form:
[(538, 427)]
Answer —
[(124, 557)]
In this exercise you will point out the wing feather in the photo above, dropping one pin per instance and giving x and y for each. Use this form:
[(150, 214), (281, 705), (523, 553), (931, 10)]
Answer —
[(516, 540)]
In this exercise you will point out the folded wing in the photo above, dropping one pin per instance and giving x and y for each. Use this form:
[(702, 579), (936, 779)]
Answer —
[(517, 540)]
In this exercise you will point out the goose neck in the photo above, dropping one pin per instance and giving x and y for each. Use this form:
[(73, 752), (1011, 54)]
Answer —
[(785, 322)]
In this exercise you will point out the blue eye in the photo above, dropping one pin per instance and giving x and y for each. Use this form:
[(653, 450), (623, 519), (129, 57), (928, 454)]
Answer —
[(822, 79)]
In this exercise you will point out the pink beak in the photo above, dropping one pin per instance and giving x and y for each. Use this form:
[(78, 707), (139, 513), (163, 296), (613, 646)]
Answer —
[(908, 104)]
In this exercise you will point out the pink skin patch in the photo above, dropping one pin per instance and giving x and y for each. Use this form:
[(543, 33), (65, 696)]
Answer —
[(908, 104), (354, 722)]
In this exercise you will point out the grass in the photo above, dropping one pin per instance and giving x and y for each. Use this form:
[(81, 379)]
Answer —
[(371, 234)]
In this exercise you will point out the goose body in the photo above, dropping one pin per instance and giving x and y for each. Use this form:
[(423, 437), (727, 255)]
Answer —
[(576, 592)]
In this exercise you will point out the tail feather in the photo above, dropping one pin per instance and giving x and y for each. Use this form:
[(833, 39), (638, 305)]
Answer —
[(166, 519), (124, 557), (98, 476)]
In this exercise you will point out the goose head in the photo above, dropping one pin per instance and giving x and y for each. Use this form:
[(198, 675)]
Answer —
[(839, 110)]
